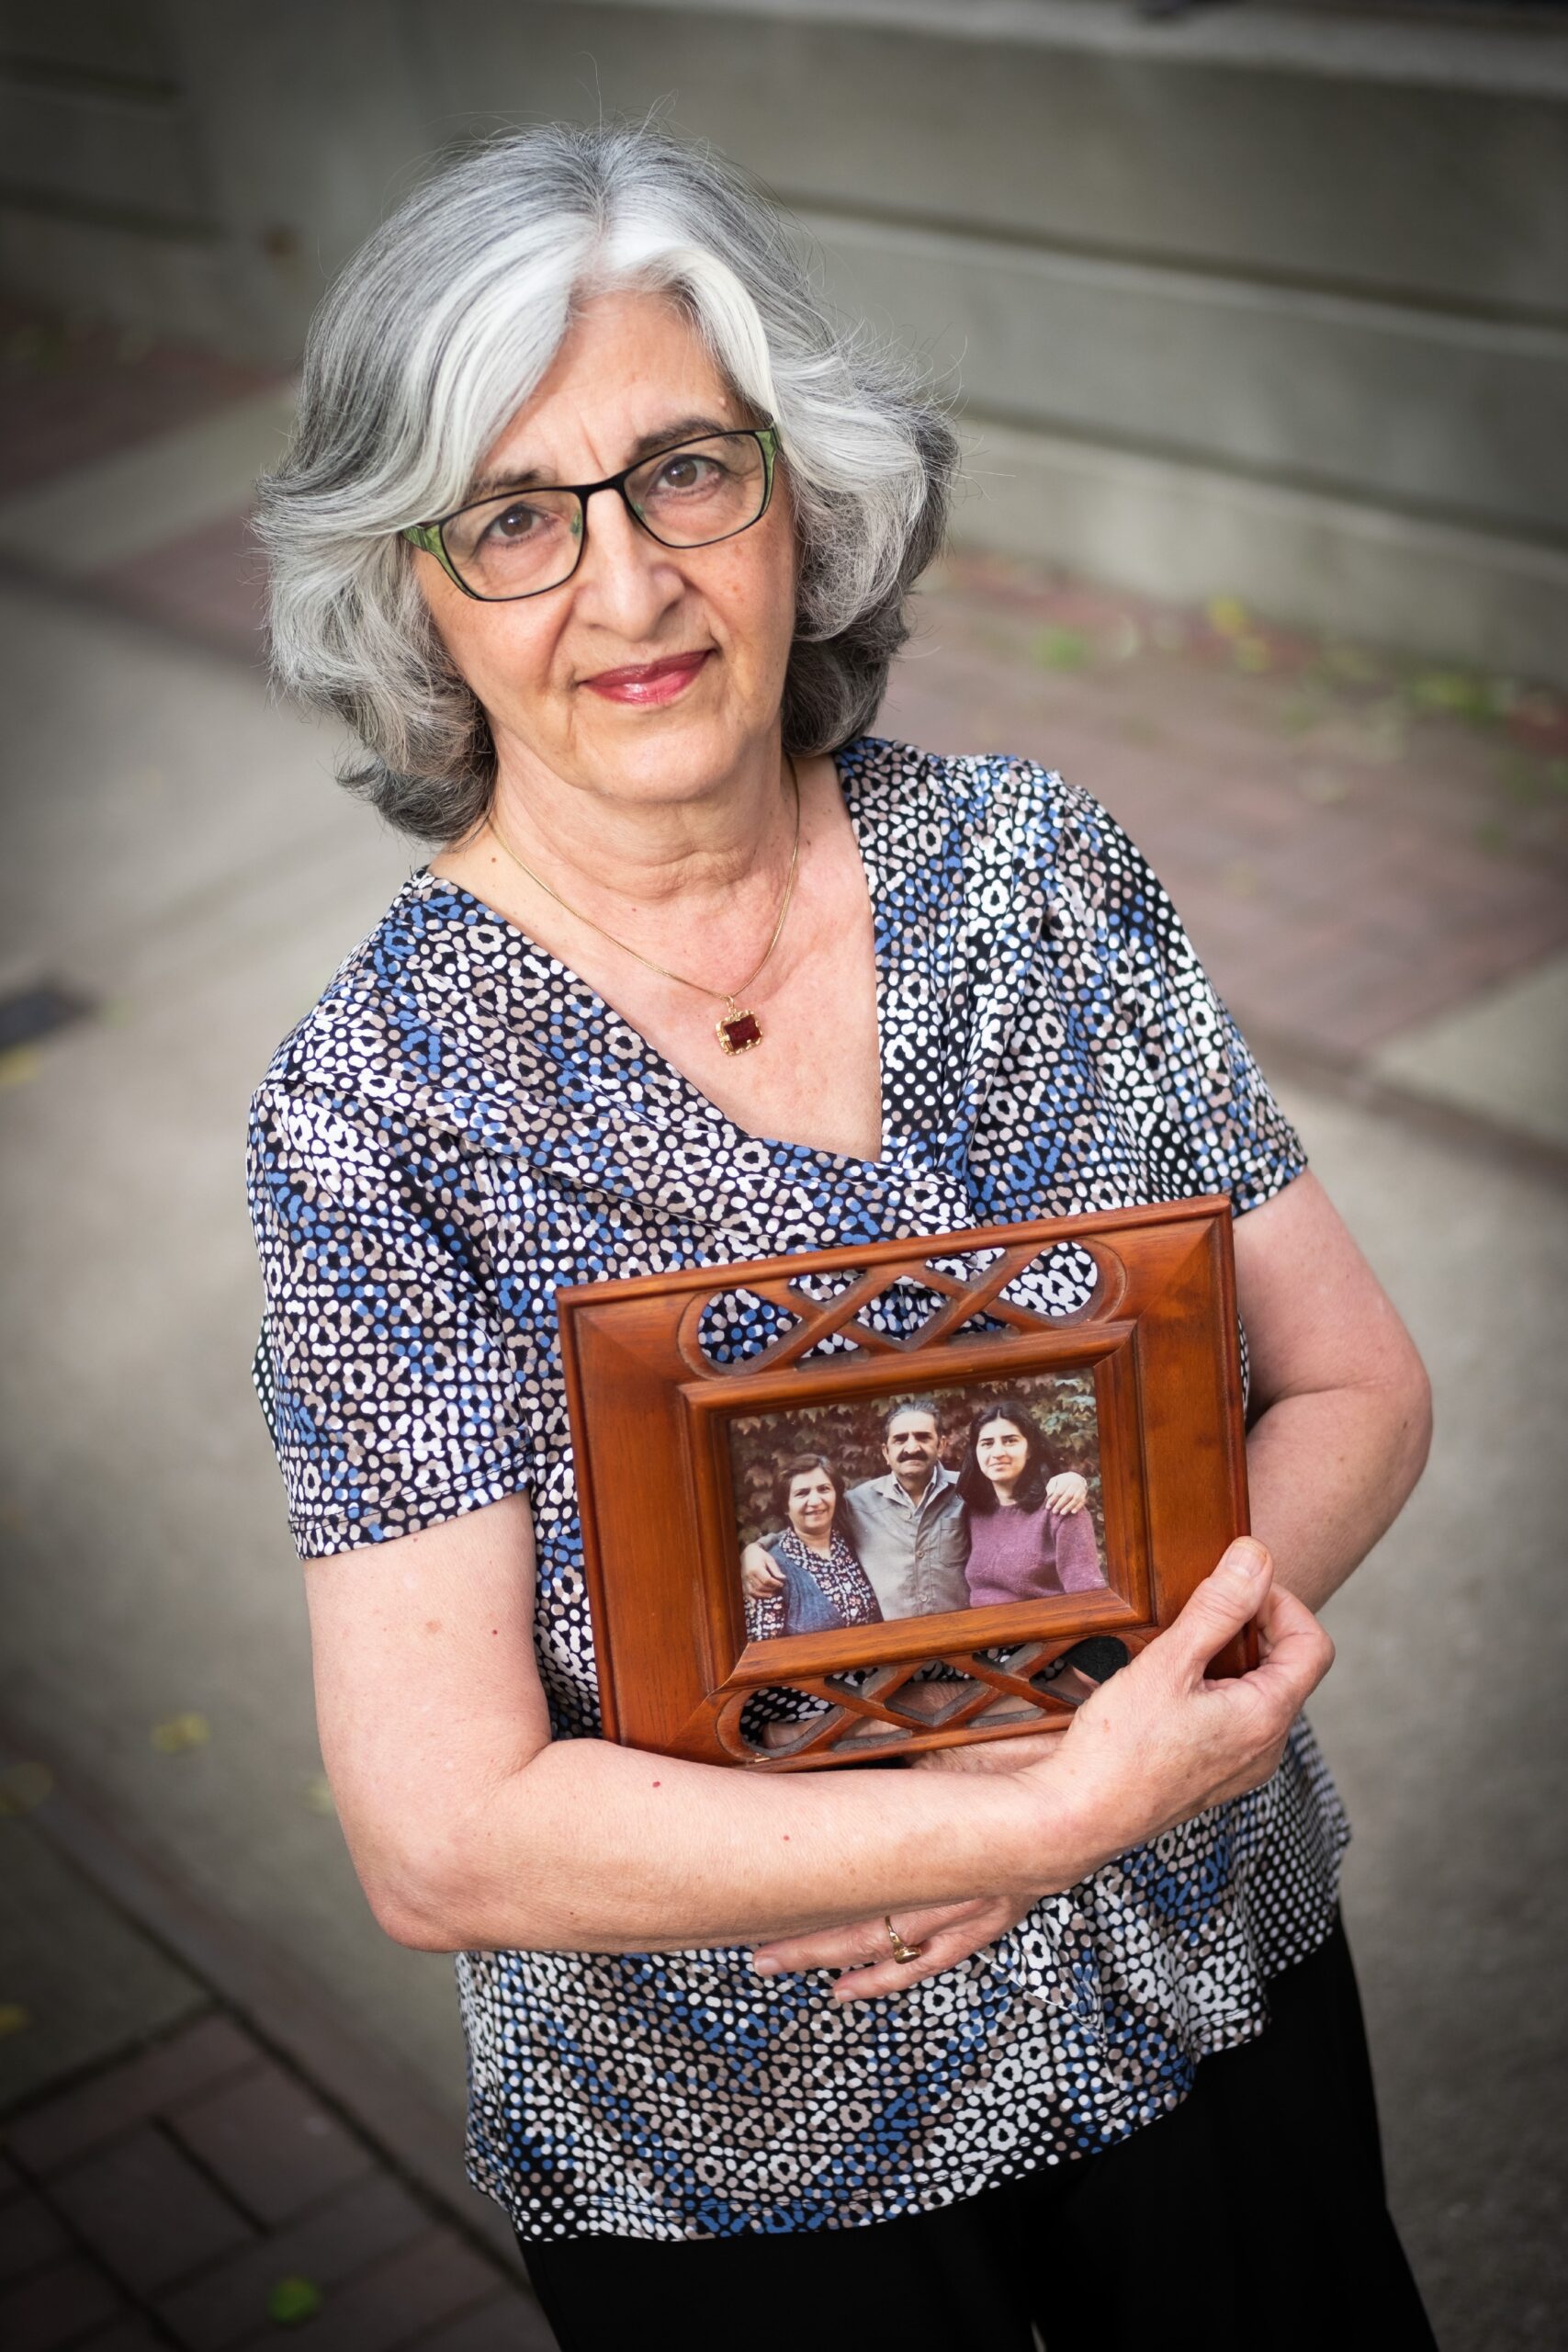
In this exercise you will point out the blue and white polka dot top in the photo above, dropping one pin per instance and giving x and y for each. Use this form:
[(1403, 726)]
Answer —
[(461, 1126)]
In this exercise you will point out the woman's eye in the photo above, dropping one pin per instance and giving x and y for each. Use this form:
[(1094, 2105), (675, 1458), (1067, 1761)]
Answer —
[(688, 471), (516, 522)]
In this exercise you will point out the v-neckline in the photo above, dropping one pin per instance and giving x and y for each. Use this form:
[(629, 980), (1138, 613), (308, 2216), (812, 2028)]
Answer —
[(686, 1090)]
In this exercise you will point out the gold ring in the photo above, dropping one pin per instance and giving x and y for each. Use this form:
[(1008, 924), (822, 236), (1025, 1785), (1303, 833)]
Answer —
[(901, 1951)]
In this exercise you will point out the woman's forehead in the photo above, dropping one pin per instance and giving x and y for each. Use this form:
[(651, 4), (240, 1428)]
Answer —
[(631, 375)]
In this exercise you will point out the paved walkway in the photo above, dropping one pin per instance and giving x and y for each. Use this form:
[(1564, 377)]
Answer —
[(1360, 847), (169, 2176), (1373, 859), (200, 2194)]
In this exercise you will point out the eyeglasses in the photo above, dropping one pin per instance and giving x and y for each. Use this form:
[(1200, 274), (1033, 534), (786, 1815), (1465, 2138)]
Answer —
[(522, 542)]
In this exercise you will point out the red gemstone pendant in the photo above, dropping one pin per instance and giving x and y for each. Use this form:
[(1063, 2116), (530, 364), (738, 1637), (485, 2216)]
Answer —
[(737, 1031)]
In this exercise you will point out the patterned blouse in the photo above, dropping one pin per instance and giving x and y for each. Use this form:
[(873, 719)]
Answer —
[(461, 1124), (839, 1576)]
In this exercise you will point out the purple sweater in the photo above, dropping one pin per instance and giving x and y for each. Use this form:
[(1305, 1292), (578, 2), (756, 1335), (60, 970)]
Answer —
[(1018, 1555)]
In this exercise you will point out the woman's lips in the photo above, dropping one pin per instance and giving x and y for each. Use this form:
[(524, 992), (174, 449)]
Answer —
[(650, 681)]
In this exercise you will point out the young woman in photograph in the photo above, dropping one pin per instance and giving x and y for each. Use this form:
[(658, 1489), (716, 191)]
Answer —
[(1021, 1545), (807, 1578)]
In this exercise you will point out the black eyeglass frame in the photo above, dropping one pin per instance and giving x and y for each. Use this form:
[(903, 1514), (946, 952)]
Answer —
[(428, 536)]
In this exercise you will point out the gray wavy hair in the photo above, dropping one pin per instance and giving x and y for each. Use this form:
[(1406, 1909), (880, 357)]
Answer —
[(439, 329)]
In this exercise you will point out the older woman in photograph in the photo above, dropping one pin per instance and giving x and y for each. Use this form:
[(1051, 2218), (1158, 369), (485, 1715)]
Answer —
[(806, 1577), (597, 532), (1020, 1546)]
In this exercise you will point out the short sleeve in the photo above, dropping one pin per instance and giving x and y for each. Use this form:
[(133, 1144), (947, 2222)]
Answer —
[(1170, 1058), (396, 1395)]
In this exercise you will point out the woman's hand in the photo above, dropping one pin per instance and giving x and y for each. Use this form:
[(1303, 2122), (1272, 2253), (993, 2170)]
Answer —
[(1156, 1744), (1160, 1741), (1065, 1493), (760, 1577), (944, 1934)]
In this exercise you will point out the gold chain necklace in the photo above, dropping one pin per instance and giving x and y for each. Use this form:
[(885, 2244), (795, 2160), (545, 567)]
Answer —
[(737, 1028)]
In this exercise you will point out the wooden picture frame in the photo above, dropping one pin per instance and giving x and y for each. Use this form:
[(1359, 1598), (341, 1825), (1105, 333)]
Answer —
[(651, 1412)]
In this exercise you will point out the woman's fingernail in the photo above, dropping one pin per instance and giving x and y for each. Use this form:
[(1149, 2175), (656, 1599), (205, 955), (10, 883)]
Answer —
[(766, 1967), (1246, 1560)]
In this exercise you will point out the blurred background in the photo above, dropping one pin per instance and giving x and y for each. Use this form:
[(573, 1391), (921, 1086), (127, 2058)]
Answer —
[(1255, 321)]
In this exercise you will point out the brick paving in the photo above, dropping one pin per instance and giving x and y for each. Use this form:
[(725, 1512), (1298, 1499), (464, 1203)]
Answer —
[(183, 2196), (208, 585), (1356, 842), (70, 391)]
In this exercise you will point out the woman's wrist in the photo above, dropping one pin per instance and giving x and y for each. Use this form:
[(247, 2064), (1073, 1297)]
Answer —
[(1044, 1838)]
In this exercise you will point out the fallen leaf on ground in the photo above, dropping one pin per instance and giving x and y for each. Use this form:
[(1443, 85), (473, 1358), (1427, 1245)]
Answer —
[(1459, 693), (1386, 736), (177, 1732), (1061, 648), (1352, 662), (1535, 707), (292, 2299), (317, 1793), (1301, 713), (1521, 779), (24, 1785), (1324, 786), (1133, 728)]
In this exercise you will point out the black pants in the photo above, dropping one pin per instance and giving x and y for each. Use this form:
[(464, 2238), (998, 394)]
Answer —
[(1250, 2220)]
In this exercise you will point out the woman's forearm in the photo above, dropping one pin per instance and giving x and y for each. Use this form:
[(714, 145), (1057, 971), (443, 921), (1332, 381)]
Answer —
[(473, 1828), (591, 1847), (578, 1845)]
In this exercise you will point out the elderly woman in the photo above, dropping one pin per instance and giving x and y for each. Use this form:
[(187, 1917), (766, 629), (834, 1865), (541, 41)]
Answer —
[(806, 1577), (599, 535)]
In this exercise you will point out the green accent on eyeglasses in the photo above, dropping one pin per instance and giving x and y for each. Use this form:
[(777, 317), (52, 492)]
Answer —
[(431, 536)]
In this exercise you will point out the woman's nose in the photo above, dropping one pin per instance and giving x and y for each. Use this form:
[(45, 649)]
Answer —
[(626, 579)]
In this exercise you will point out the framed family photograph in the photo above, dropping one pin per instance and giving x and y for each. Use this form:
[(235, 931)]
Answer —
[(853, 1503)]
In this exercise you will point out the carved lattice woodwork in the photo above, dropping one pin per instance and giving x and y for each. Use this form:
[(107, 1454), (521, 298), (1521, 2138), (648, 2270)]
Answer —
[(1142, 1300)]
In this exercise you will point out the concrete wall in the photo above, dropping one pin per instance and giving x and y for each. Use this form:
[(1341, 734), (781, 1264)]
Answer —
[(1269, 303)]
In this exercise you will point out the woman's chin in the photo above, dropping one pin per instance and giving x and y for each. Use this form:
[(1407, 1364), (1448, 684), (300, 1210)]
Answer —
[(676, 752)]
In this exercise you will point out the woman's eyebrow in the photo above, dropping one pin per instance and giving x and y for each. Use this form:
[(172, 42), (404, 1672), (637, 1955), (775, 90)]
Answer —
[(663, 436)]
